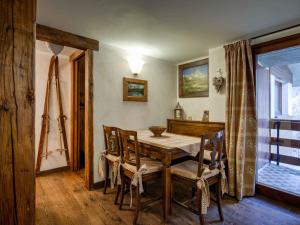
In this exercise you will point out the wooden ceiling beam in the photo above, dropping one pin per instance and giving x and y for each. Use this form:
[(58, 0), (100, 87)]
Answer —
[(55, 36)]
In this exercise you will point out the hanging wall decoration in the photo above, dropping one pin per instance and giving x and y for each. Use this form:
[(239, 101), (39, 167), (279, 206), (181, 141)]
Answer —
[(135, 90), (205, 117), (193, 79), (219, 81)]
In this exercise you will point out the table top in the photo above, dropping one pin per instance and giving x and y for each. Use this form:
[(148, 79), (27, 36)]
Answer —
[(188, 144)]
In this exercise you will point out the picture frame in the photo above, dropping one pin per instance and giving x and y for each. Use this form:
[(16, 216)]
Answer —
[(135, 90), (193, 79)]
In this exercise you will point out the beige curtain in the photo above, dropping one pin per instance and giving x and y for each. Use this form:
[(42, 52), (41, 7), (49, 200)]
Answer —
[(240, 119)]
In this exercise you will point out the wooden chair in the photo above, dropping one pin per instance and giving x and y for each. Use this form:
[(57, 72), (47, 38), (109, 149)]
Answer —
[(112, 156), (201, 176), (136, 168)]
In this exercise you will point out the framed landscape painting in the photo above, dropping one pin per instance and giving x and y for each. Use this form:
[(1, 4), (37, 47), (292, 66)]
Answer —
[(193, 79), (135, 90)]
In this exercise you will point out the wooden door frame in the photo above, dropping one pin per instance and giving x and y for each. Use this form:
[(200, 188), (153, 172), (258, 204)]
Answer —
[(45, 33), (277, 44), (74, 109)]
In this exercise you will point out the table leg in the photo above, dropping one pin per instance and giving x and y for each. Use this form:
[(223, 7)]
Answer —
[(166, 188)]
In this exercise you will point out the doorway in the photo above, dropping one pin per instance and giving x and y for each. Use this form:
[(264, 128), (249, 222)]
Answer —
[(86, 47), (77, 61), (278, 116)]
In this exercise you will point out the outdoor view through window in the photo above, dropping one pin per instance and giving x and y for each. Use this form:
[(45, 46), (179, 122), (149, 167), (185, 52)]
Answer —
[(278, 113)]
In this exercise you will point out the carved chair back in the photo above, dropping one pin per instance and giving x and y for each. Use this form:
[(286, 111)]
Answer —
[(111, 140), (213, 142), (130, 150)]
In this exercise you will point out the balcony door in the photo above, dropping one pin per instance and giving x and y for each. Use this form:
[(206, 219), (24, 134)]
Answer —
[(263, 116), (278, 118)]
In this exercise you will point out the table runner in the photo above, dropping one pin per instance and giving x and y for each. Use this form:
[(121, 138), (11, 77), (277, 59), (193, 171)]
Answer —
[(188, 144)]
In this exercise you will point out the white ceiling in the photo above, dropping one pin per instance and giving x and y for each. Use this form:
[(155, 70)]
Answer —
[(173, 30)]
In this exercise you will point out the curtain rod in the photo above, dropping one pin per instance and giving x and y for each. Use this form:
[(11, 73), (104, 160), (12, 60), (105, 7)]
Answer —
[(273, 32)]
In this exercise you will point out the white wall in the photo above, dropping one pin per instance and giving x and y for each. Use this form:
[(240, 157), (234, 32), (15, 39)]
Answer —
[(215, 103), (110, 66), (55, 159)]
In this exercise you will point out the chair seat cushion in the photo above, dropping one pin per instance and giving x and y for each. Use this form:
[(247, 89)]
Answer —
[(189, 169), (151, 164), (111, 157)]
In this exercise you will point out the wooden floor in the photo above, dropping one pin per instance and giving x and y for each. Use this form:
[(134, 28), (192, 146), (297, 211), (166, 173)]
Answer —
[(61, 199)]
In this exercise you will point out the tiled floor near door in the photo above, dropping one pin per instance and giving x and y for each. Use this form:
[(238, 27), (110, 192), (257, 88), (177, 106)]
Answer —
[(280, 177)]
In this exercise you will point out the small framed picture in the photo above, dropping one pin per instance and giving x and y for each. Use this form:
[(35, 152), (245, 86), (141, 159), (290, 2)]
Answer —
[(193, 79), (135, 90)]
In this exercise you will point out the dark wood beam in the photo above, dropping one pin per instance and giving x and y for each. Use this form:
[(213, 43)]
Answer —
[(17, 178), (56, 36)]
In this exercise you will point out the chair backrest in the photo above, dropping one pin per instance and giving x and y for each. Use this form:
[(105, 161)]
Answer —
[(129, 144), (213, 142), (111, 140)]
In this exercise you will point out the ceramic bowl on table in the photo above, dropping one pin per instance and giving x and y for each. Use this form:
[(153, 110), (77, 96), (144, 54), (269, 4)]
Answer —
[(157, 130)]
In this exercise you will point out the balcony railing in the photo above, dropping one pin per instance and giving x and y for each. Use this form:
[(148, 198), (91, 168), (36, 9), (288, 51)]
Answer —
[(285, 137)]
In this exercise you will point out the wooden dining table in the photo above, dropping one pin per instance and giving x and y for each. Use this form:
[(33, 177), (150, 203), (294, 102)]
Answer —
[(167, 148)]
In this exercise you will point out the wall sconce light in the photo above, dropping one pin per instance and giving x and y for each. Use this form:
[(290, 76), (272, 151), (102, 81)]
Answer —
[(135, 64)]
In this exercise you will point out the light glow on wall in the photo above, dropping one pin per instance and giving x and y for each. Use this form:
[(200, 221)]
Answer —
[(136, 64)]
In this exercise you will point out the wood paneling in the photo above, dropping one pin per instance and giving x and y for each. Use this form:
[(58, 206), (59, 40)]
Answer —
[(193, 128), (49, 34), (17, 44)]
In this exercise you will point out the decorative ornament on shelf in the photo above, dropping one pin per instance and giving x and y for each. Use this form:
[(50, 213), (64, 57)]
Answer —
[(205, 117), (219, 81), (178, 112)]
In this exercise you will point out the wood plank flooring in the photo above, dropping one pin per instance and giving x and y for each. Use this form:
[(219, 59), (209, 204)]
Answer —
[(61, 199)]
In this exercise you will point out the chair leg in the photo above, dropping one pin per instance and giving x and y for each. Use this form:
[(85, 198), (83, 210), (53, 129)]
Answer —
[(199, 200), (106, 176), (219, 199), (117, 195), (138, 206), (171, 197), (122, 193), (145, 186), (193, 192)]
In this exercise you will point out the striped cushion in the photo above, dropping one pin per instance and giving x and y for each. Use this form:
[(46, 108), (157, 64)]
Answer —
[(189, 169), (112, 158), (151, 164)]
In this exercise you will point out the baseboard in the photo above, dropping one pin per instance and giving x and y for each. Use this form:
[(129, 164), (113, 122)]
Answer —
[(99, 184), (55, 170), (277, 194)]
